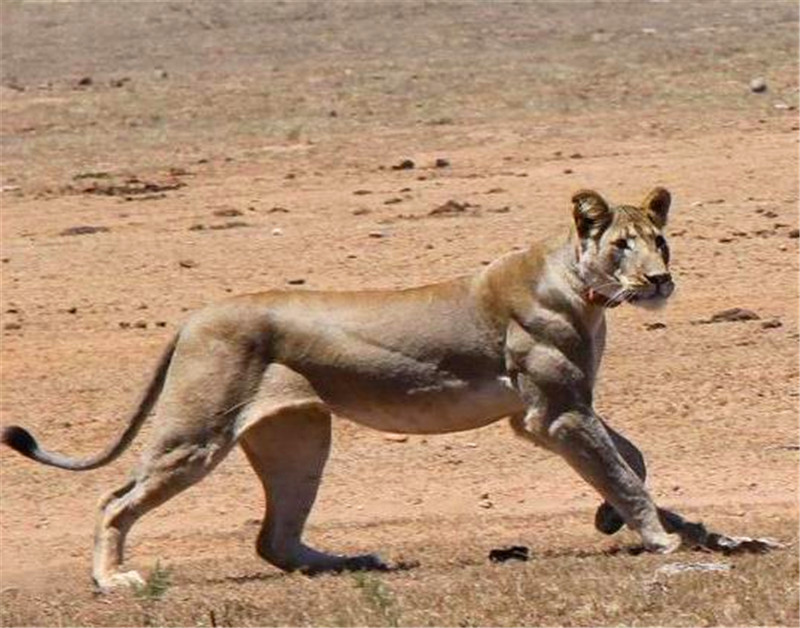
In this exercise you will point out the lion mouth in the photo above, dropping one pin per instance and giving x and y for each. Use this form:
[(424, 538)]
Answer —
[(660, 292)]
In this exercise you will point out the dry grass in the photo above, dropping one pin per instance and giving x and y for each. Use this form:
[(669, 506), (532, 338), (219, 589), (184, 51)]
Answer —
[(455, 586)]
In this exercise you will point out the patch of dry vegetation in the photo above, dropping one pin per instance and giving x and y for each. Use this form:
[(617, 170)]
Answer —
[(455, 586)]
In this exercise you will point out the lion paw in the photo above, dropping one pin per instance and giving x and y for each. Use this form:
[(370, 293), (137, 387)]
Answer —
[(364, 562), (664, 544), (129, 579), (607, 520)]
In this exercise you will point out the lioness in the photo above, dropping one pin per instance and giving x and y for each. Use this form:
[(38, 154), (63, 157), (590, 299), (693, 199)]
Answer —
[(522, 338)]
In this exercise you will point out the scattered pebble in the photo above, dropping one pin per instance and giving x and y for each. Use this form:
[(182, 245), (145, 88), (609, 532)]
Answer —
[(12, 326), (449, 208), (395, 438), (277, 210), (678, 568), (376, 234), (362, 192), (187, 263), (393, 201), (794, 233), (653, 326), (86, 81), (732, 315), (277, 231), (229, 212), (441, 162), (406, 164), (361, 211), (514, 552), (296, 282), (83, 230), (772, 323), (758, 85)]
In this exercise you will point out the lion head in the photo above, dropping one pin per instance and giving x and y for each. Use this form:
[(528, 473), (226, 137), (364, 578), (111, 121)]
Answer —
[(622, 252)]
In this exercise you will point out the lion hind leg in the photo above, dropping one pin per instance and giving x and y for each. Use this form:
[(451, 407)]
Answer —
[(163, 473), (288, 449)]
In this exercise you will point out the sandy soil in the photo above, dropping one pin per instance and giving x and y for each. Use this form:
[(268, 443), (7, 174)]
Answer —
[(231, 148)]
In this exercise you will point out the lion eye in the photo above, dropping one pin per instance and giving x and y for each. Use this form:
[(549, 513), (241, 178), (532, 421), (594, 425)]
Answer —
[(621, 244)]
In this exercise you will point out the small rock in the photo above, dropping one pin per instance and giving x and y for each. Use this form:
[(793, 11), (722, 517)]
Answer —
[(161, 323), (514, 552), (362, 192), (277, 210), (161, 74), (12, 326), (393, 201), (568, 171), (85, 81), (449, 208), (395, 438), (72, 310), (83, 230), (781, 106), (794, 233), (485, 503), (140, 324), (758, 85), (187, 263), (376, 234), (576, 156), (677, 568), (406, 164), (734, 315), (124, 325), (772, 323), (229, 213), (653, 326), (296, 282), (441, 162), (361, 211), (277, 231)]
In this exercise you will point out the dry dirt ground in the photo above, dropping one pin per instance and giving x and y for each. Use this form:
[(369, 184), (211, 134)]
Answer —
[(202, 149)]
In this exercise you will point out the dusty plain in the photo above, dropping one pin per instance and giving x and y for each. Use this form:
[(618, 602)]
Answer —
[(160, 156)]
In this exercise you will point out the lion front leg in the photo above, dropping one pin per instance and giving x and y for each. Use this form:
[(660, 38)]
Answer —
[(579, 436), (606, 519)]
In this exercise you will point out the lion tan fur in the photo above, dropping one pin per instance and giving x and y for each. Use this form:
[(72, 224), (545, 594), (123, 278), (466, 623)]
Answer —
[(523, 338)]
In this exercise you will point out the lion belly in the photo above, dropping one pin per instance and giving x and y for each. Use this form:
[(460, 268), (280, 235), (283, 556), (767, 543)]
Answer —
[(450, 405)]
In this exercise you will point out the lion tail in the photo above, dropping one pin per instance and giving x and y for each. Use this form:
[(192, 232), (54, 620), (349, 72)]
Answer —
[(21, 440)]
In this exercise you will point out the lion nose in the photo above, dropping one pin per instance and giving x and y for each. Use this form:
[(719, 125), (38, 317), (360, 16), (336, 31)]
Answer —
[(660, 279)]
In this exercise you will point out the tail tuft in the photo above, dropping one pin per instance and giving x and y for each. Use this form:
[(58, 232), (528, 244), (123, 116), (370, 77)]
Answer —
[(20, 439)]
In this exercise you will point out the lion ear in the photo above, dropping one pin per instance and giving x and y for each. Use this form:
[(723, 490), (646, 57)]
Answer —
[(656, 204), (590, 212)]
